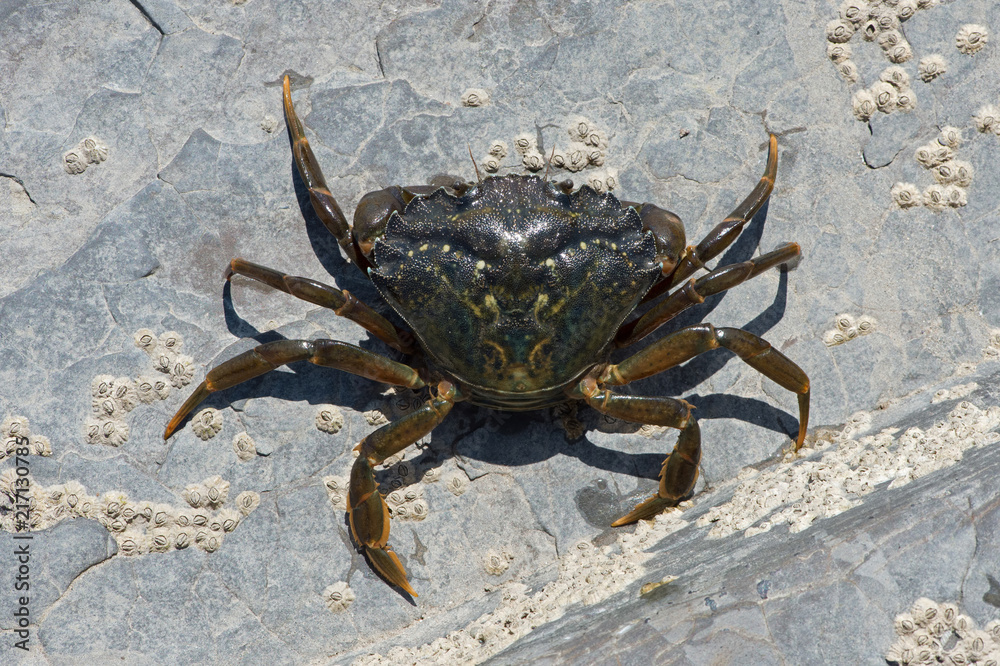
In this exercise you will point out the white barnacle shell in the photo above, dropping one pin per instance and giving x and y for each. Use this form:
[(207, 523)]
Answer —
[(336, 490), (40, 445), (865, 325), (905, 101), (932, 154), (244, 447), (845, 322), (456, 481), (338, 596), (160, 540), (533, 161), (195, 495), (924, 611), (163, 362), (207, 423), (474, 97), (498, 149), (124, 394), (595, 157), (375, 414), (955, 196), (885, 95), (558, 159), (145, 339), (525, 143), (848, 70), (596, 183), (854, 11), (596, 139), (216, 491), (161, 389), (904, 624), (611, 179), (576, 157), (229, 519), (491, 164), (971, 38), (108, 432), (433, 474), (14, 426), (987, 119), (200, 518), (247, 501), (945, 172), (131, 543), (580, 128), (834, 338), (181, 371), (182, 536), (869, 30), (906, 9), (839, 31), (897, 76), (171, 341), (838, 53), (864, 105), (930, 67), (495, 563), (419, 509), (93, 150), (73, 162), (144, 390), (950, 136), (208, 540), (901, 52)]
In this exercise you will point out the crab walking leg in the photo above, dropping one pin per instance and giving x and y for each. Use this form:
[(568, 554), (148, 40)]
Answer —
[(689, 342), (324, 204), (726, 231), (696, 291), (368, 512), (340, 301), (680, 469), (269, 356)]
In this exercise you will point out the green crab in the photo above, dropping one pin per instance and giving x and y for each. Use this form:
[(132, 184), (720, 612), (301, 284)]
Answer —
[(515, 291)]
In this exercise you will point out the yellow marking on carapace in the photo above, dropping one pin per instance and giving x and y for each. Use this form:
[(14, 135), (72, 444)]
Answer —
[(537, 349), (410, 253), (583, 246), (550, 262), (423, 248), (500, 350), (480, 265), (446, 248), (540, 303), (614, 246)]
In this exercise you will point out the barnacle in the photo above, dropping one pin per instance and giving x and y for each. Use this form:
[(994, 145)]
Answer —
[(216, 491), (170, 341), (533, 161), (475, 97), (194, 494), (848, 70), (131, 543), (418, 509), (247, 501), (854, 11), (498, 149), (924, 611), (491, 164), (144, 390), (495, 563), (950, 136), (596, 183), (955, 196), (845, 322), (870, 30), (14, 426), (163, 515), (932, 154), (208, 540), (906, 9), (145, 339), (934, 197), (207, 423), (971, 38), (864, 105), (901, 52), (905, 101), (161, 389), (839, 31), (456, 481), (897, 76), (159, 540), (987, 118), (375, 415), (834, 338), (93, 150), (525, 143), (838, 53), (885, 95), (244, 447), (930, 67), (182, 536), (580, 128), (74, 163), (338, 596), (229, 519), (181, 370)]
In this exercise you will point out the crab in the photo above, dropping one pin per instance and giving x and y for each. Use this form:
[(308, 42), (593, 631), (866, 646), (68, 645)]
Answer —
[(515, 290)]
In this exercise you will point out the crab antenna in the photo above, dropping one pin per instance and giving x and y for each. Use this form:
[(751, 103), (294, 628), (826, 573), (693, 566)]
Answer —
[(549, 162), (474, 165)]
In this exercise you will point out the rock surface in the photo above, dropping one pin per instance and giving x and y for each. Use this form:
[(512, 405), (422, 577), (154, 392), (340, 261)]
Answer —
[(143, 146)]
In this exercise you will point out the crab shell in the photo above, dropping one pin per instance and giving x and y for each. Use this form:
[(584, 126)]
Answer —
[(515, 289)]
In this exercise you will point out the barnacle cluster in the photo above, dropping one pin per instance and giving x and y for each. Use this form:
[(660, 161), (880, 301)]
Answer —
[(139, 527), (494, 158), (953, 176), (797, 492), (408, 503), (876, 21), (338, 596), (587, 147), (111, 399), (587, 574), (848, 328), (88, 151), (954, 393), (890, 93), (938, 633), (15, 434), (329, 419), (971, 38)]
